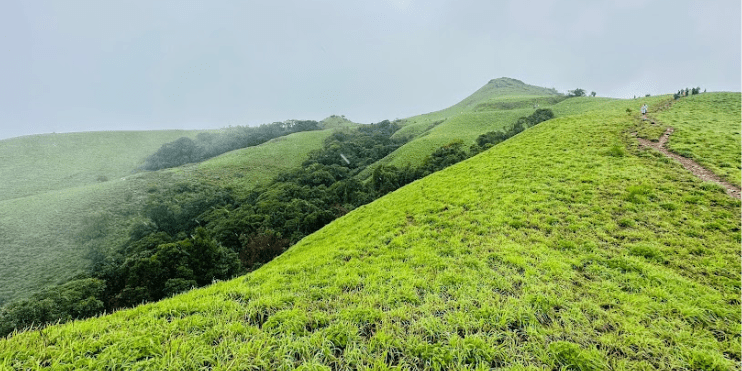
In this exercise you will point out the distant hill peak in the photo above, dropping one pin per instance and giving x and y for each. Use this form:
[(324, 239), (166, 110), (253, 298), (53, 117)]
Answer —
[(515, 87), (504, 87), (505, 81), (336, 121)]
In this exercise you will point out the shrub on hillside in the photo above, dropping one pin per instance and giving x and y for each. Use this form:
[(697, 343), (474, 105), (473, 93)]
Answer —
[(387, 178), (177, 208), (72, 300), (444, 157), (361, 147), (154, 272), (576, 93), (492, 138), (570, 356), (686, 92), (260, 248), (615, 151)]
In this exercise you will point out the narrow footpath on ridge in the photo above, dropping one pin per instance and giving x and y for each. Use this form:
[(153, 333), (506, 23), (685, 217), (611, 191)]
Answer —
[(690, 165)]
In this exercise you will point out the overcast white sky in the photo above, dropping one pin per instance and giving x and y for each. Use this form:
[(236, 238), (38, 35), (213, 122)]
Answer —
[(130, 65)]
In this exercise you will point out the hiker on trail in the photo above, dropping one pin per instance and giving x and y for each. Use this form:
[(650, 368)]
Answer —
[(644, 110)]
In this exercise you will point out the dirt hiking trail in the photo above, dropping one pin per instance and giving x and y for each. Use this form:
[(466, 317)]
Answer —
[(690, 165)]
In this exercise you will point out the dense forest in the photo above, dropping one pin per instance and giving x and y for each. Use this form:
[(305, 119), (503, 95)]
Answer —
[(199, 233)]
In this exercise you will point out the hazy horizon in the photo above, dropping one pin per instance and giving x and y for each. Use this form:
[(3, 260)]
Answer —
[(90, 66)]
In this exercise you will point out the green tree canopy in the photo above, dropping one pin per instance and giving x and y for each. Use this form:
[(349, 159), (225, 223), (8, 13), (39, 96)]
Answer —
[(576, 93)]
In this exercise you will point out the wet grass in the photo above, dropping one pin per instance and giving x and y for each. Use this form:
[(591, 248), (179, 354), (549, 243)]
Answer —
[(493, 107), (545, 252), (707, 130), (465, 126), (481, 113)]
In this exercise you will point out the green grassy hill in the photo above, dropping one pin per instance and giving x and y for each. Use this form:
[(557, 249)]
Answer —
[(35, 164), (335, 122), (243, 169), (502, 88), (564, 247), (708, 130), (46, 238), (498, 94), (494, 106)]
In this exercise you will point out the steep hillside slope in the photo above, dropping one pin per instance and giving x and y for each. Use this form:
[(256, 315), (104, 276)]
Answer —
[(464, 126), (707, 128), (45, 238), (508, 93), (503, 87), (493, 107), (564, 247), (243, 169), (41, 163)]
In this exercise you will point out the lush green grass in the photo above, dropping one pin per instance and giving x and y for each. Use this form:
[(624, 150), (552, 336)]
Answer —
[(493, 107), (481, 113), (549, 251), (41, 163), (707, 129), (503, 87), (45, 238), (582, 105), (498, 94), (518, 102), (645, 128), (464, 126), (244, 169), (336, 122)]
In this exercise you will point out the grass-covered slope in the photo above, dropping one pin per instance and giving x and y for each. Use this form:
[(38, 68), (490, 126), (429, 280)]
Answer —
[(465, 127), (41, 163), (242, 170), (503, 87), (494, 106), (46, 238), (561, 248), (336, 122), (707, 129)]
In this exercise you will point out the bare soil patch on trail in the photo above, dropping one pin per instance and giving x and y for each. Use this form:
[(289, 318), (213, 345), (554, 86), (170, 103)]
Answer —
[(690, 165)]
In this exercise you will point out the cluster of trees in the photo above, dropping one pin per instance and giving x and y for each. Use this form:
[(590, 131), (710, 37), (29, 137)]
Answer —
[(207, 145), (579, 93), (686, 92), (487, 140), (197, 233), (159, 265), (167, 254), (78, 298)]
